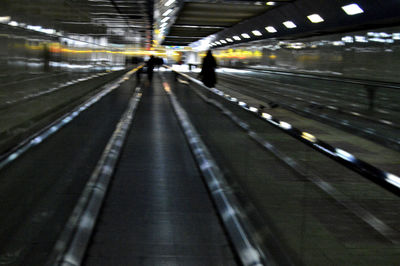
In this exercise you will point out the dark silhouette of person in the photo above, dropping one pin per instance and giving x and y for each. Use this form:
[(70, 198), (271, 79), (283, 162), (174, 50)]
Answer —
[(207, 73), (46, 58), (371, 89), (150, 67), (159, 62)]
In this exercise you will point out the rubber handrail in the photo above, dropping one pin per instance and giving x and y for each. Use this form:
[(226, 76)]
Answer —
[(370, 82), (384, 179)]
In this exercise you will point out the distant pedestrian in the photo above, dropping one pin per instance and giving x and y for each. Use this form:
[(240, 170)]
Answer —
[(150, 67), (159, 62), (371, 89), (207, 73)]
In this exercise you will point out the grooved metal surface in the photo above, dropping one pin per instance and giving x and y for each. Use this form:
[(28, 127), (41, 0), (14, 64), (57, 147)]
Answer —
[(291, 213), (158, 211), (39, 190)]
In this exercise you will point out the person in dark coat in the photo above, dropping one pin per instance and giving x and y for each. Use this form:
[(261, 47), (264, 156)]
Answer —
[(150, 67), (207, 73), (159, 62)]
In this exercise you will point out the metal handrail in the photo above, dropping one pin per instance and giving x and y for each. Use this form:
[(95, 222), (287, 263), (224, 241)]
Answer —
[(357, 81), (384, 179)]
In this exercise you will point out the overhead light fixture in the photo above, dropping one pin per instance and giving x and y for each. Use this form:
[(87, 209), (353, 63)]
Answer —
[(348, 39), (223, 41), (217, 42), (229, 39), (270, 29), (256, 33), (5, 19), (245, 35), (289, 24), (164, 24), (362, 39), (13, 23), (270, 3), (165, 19), (315, 18), (35, 28), (169, 2), (48, 31), (285, 125), (237, 38), (393, 179), (166, 13), (352, 9)]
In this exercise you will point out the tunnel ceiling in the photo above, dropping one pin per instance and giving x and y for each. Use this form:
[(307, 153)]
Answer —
[(198, 19), (131, 21), (122, 21), (374, 15), (225, 19)]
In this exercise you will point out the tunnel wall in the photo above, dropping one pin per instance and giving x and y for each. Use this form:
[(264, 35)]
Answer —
[(23, 51), (373, 54)]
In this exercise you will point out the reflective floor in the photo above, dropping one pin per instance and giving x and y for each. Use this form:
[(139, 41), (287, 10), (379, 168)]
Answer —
[(318, 214), (304, 208), (158, 211)]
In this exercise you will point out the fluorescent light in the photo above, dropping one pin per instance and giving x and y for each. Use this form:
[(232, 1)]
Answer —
[(164, 19), (36, 28), (245, 35), (13, 23), (237, 38), (169, 2), (48, 31), (253, 109), (5, 19), (361, 39), (393, 179), (344, 155), (285, 125), (266, 116), (166, 13), (352, 9), (338, 43), (229, 39), (256, 33), (308, 136), (270, 29), (217, 42), (164, 24), (223, 41), (347, 39), (270, 3), (315, 18), (289, 24)]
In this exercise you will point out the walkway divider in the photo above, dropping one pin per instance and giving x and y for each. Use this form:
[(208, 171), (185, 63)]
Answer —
[(70, 248), (48, 91), (385, 230), (52, 128), (389, 181), (249, 252)]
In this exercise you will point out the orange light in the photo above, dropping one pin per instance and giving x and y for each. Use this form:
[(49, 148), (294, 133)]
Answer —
[(166, 86)]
